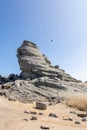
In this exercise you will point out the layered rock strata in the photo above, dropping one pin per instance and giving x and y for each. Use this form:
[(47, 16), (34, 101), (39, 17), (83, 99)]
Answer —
[(33, 63), (39, 80)]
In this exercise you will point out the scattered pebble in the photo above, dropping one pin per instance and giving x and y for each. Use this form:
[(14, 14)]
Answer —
[(41, 106), (45, 127), (75, 90), (72, 112), (84, 119), (70, 118), (33, 112), (53, 115), (40, 113), (33, 118), (77, 122), (26, 111)]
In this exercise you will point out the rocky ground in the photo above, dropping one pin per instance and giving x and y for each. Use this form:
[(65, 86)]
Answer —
[(18, 116), (64, 96)]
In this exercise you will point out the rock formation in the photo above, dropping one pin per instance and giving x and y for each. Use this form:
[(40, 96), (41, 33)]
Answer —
[(39, 80), (30, 59), (33, 63)]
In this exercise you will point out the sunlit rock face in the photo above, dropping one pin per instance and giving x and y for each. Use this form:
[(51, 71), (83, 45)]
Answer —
[(30, 58), (39, 80), (34, 64)]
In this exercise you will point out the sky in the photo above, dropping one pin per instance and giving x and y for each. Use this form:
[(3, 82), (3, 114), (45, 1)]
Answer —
[(39, 21)]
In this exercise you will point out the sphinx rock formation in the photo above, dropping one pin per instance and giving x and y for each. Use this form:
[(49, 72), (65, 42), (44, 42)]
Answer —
[(31, 60), (33, 63), (39, 80)]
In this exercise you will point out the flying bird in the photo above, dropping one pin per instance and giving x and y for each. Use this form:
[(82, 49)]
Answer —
[(51, 40)]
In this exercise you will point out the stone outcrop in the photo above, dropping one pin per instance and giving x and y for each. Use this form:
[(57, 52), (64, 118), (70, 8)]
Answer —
[(39, 80), (33, 63), (30, 59)]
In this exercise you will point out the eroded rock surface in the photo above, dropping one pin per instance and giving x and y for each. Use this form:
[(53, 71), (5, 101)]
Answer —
[(39, 80), (33, 63)]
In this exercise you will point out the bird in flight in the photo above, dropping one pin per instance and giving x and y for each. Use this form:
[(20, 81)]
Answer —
[(51, 40)]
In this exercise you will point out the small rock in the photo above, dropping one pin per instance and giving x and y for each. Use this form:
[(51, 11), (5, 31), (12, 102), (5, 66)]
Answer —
[(33, 118), (41, 106), (81, 115), (77, 122), (84, 119), (6, 86), (70, 118), (53, 115), (56, 66), (26, 111), (72, 112), (75, 90), (45, 127), (40, 113), (33, 112)]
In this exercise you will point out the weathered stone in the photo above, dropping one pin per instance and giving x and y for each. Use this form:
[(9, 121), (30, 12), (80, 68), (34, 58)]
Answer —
[(13, 77), (81, 115), (46, 59), (45, 127), (33, 63), (72, 112), (33, 112), (68, 118), (25, 75), (6, 86), (77, 122), (4, 80), (41, 106), (84, 119), (53, 115), (57, 66), (33, 118), (40, 113), (30, 59), (26, 111)]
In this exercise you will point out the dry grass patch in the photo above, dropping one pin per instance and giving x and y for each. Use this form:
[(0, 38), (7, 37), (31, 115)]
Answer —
[(78, 102)]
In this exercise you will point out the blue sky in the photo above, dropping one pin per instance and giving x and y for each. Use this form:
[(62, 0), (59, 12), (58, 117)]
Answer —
[(64, 21)]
